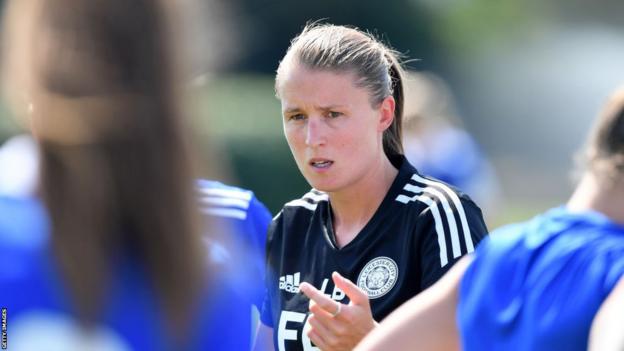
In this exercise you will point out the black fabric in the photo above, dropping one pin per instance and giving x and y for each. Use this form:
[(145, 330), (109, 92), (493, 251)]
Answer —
[(301, 245)]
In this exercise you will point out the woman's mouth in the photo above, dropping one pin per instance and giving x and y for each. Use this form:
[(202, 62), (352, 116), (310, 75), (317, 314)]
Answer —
[(320, 163)]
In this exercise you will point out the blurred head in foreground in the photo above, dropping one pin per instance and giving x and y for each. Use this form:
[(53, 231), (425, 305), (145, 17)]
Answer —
[(94, 82)]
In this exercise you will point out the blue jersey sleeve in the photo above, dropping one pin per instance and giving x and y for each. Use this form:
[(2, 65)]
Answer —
[(247, 220)]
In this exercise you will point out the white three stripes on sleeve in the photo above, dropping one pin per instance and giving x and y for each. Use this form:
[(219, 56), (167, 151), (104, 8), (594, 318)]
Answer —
[(225, 202), (447, 210), (233, 194), (226, 212), (437, 220), (458, 205), (435, 193)]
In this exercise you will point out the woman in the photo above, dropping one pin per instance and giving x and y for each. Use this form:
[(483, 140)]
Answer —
[(371, 227), (536, 285), (107, 254)]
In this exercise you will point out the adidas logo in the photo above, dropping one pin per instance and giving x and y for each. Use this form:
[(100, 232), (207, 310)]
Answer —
[(290, 283)]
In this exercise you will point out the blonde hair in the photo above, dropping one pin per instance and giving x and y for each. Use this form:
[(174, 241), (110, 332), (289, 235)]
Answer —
[(349, 50)]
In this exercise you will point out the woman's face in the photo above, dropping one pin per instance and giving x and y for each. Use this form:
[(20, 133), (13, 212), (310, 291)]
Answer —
[(332, 128)]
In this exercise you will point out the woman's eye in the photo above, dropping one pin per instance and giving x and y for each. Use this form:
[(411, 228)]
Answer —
[(334, 114), (297, 117)]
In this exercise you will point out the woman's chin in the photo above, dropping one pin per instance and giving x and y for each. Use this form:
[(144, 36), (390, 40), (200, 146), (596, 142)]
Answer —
[(324, 186)]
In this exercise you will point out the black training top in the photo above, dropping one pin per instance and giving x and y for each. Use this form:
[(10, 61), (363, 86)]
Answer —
[(421, 228)]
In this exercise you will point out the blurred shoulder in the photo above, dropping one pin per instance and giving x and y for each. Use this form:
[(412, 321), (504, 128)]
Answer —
[(223, 200)]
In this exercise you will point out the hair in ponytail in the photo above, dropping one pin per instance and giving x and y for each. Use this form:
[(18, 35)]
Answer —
[(343, 49)]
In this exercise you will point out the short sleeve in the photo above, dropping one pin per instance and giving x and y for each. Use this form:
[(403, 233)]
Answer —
[(445, 240)]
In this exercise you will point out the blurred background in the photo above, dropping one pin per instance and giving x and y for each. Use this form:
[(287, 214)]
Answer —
[(523, 78)]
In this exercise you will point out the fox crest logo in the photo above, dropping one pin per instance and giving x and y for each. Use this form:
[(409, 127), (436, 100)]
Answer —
[(378, 277)]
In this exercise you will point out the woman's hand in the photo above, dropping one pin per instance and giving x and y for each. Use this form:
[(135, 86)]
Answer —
[(337, 326)]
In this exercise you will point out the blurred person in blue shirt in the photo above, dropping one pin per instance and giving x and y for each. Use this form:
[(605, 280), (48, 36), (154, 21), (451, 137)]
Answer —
[(536, 285), (238, 250), (436, 143), (236, 226), (104, 251)]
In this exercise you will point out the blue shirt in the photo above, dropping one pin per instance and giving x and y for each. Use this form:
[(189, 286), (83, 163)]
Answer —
[(38, 304), (537, 285), (453, 156)]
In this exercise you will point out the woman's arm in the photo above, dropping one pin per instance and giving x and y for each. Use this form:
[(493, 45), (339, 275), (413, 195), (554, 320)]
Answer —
[(606, 330)]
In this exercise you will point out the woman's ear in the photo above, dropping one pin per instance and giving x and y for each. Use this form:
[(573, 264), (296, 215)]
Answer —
[(386, 113)]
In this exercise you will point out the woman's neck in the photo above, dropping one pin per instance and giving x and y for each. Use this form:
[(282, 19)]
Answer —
[(354, 207), (595, 194)]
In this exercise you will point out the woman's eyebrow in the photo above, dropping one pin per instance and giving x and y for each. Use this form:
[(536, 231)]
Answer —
[(292, 110), (322, 108)]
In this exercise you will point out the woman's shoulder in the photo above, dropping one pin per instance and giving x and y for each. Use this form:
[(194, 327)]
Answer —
[(419, 183), (555, 227), (425, 194), (557, 240), (298, 213), (305, 205)]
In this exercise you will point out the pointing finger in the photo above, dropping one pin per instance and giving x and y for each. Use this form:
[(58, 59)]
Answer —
[(355, 294), (320, 299)]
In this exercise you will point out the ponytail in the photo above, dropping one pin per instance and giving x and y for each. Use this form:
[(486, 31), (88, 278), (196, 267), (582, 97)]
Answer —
[(393, 136)]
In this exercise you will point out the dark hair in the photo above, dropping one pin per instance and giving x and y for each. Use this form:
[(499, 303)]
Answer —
[(116, 175), (342, 49), (604, 153)]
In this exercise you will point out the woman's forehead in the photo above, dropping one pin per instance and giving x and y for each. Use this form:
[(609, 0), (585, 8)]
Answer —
[(327, 86), (297, 72)]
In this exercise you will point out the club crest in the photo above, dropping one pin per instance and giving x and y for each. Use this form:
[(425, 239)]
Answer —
[(378, 276)]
